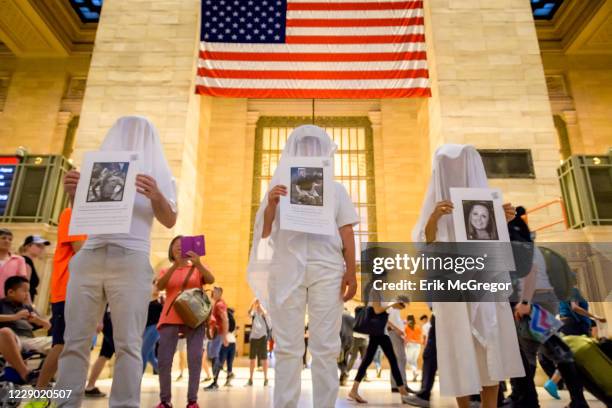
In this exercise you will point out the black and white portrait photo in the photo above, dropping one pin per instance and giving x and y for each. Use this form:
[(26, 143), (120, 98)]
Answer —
[(479, 219), (307, 186), (107, 182)]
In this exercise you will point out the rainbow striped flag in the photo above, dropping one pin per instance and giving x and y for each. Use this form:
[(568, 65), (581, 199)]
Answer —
[(543, 324)]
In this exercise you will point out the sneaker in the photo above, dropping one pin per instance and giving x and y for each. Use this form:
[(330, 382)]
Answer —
[(193, 405), (207, 379), (230, 376), (94, 393), (266, 382), (41, 403), (552, 389), (249, 383), (415, 401), (228, 382), (212, 387), (163, 405)]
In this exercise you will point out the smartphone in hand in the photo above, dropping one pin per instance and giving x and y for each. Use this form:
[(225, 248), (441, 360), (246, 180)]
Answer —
[(195, 244)]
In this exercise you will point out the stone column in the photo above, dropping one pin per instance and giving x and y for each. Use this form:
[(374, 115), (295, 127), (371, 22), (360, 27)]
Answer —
[(489, 90), (59, 134), (570, 117), (144, 62)]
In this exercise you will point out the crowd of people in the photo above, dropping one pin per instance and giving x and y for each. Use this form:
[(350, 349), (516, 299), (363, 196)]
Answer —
[(105, 284)]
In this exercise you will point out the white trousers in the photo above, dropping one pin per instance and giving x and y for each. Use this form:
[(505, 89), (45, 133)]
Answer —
[(122, 278), (320, 291), (412, 355)]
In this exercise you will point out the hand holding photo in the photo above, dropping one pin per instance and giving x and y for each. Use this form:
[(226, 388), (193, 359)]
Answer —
[(309, 203), (478, 215), (105, 193)]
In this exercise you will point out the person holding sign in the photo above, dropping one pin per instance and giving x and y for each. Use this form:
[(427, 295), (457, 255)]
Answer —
[(115, 268), (291, 270), (476, 343)]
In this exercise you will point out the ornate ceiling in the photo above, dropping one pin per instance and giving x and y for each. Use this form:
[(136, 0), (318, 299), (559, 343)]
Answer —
[(44, 28), (578, 27)]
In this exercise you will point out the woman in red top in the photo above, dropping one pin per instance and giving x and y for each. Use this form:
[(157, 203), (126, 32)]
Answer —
[(170, 324)]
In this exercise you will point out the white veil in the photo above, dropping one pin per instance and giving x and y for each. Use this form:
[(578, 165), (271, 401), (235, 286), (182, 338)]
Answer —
[(307, 140), (454, 165), (138, 133), (458, 166)]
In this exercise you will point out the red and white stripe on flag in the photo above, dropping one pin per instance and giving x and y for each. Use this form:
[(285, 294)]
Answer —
[(332, 49)]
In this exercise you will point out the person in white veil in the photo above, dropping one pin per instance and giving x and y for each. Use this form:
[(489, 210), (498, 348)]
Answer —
[(289, 271), (476, 342), (115, 269)]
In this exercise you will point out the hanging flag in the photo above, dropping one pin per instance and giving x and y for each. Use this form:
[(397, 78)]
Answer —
[(313, 49)]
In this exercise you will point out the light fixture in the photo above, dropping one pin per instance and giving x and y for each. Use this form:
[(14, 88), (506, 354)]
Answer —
[(596, 160), (38, 160), (21, 151)]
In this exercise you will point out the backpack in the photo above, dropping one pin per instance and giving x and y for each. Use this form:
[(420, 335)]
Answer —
[(560, 275), (231, 322)]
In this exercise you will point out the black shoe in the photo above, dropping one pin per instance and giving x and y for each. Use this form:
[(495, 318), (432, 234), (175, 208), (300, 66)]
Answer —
[(230, 376), (212, 387), (394, 389), (266, 382), (94, 393)]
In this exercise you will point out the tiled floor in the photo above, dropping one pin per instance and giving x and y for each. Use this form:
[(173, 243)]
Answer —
[(375, 391)]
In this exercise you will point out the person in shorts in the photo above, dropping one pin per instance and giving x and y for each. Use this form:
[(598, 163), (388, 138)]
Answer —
[(258, 340), (21, 319), (67, 246), (219, 325)]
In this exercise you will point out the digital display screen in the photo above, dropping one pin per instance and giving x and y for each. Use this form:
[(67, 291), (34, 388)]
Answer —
[(8, 166)]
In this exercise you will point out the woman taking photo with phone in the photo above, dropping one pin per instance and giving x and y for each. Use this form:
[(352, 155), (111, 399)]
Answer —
[(187, 272)]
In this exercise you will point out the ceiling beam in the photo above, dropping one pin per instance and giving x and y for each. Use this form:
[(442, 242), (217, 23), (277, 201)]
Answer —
[(25, 32)]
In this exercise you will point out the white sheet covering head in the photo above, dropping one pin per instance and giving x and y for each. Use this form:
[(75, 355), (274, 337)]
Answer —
[(453, 165), (306, 140), (489, 323), (138, 133)]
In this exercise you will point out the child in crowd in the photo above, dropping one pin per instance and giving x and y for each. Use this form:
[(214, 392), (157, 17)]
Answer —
[(18, 321)]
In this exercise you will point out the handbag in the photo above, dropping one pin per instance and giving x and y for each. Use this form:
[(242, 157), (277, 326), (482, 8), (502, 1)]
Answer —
[(192, 305), (367, 321)]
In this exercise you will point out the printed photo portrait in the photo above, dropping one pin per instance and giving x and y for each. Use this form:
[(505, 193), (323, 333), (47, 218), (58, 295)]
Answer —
[(307, 186), (107, 182), (479, 218)]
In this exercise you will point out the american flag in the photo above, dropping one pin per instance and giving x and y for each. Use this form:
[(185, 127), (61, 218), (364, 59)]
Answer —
[(312, 49)]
